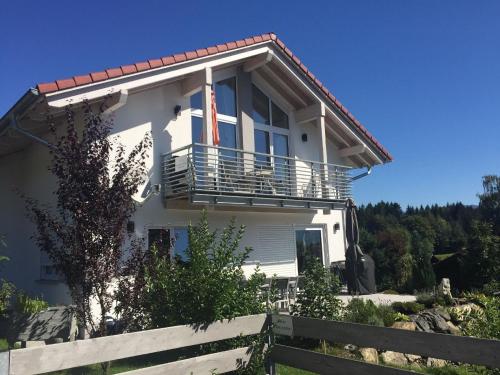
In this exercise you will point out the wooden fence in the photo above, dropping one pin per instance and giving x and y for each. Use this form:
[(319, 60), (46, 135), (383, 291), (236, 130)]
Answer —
[(453, 348), (63, 356), (86, 352)]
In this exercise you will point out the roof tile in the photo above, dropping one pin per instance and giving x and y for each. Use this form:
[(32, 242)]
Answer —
[(65, 83), (231, 45), (240, 43), (98, 76), (180, 57), (168, 60), (191, 55), (83, 79), (155, 63), (212, 50), (142, 66), (114, 72), (129, 69), (202, 52)]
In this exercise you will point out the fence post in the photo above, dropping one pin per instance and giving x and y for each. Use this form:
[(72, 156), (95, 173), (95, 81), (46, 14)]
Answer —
[(4, 362), (270, 365)]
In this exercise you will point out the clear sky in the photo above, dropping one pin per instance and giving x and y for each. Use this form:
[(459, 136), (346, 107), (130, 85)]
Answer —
[(422, 76)]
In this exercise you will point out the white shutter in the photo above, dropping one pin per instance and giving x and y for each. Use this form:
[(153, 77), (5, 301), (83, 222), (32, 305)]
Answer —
[(275, 244)]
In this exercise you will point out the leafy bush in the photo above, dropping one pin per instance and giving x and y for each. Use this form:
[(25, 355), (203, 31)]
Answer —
[(26, 305), (366, 312), (408, 307), (426, 299), (7, 290), (317, 299), (485, 323), (209, 286)]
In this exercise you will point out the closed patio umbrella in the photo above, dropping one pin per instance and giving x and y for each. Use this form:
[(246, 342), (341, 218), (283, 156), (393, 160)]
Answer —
[(360, 268)]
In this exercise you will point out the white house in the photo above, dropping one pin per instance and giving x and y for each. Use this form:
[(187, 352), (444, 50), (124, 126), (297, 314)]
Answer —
[(284, 166)]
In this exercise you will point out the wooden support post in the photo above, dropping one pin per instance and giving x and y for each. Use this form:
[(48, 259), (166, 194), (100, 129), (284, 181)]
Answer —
[(5, 363), (324, 152)]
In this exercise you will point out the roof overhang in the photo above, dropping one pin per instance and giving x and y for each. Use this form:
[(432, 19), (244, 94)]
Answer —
[(265, 56)]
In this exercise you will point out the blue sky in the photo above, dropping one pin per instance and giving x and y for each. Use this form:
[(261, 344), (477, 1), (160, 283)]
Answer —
[(423, 76)]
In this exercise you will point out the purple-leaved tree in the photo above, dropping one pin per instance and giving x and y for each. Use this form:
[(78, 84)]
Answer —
[(84, 233)]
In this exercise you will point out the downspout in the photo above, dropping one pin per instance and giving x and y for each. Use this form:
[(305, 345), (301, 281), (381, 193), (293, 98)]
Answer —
[(14, 126), (364, 174)]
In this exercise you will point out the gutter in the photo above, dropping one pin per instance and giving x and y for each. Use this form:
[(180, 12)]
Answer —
[(18, 109)]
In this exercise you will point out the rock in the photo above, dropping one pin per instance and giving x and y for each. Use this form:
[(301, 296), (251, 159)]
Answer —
[(444, 288), (437, 323), (412, 358), (369, 355), (394, 358), (435, 362), (443, 313), (453, 329), (351, 347), (421, 323), (409, 326)]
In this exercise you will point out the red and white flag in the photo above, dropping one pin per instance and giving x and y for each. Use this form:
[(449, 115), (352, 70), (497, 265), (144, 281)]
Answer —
[(215, 127)]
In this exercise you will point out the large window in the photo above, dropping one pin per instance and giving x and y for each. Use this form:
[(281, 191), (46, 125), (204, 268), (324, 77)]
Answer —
[(225, 98), (309, 243), (271, 134)]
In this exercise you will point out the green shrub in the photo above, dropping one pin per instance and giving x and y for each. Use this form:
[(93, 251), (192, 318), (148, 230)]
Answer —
[(408, 307), (317, 299), (26, 305), (426, 299), (366, 312), (7, 290), (485, 323)]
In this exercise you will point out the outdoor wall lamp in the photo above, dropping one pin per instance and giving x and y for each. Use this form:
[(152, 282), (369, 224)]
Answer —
[(304, 137), (177, 109), (336, 227)]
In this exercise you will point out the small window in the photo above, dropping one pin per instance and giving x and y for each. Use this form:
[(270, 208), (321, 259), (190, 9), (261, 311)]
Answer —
[(161, 239), (260, 111)]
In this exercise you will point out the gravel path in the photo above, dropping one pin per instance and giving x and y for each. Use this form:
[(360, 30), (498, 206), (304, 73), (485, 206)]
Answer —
[(380, 299)]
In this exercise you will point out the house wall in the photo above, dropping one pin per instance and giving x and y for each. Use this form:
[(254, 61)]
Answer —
[(153, 110)]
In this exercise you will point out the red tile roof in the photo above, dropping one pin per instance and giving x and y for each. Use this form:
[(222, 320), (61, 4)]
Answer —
[(62, 84)]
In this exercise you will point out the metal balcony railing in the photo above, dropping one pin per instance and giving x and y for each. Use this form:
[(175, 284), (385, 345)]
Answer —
[(200, 168)]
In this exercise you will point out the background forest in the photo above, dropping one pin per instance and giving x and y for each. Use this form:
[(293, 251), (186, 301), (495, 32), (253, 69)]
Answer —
[(414, 248)]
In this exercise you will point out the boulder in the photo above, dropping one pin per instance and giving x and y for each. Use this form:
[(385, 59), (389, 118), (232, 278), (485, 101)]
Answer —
[(394, 358), (409, 326), (351, 347), (453, 329), (430, 321), (442, 312), (413, 358), (421, 323), (369, 355), (435, 362)]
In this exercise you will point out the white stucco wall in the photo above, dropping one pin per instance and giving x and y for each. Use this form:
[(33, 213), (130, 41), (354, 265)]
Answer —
[(153, 110)]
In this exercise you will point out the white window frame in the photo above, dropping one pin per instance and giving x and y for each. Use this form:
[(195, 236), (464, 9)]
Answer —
[(270, 129), (324, 243), (233, 120)]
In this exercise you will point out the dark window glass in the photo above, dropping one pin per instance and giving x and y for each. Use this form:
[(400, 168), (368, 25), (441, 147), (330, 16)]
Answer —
[(260, 111), (280, 118), (196, 129), (181, 244), (309, 245), (225, 96), (196, 102), (227, 133), (161, 239), (262, 146)]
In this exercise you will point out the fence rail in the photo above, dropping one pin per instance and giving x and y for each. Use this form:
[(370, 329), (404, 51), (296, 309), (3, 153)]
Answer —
[(86, 352), (453, 348)]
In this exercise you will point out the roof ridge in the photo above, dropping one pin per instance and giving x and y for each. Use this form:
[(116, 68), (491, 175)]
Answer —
[(80, 80)]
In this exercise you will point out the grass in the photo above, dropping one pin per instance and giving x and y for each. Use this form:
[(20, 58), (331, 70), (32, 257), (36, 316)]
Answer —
[(3, 345), (442, 257)]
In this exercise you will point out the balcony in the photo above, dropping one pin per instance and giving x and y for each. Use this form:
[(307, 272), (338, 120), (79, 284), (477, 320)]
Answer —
[(218, 175)]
